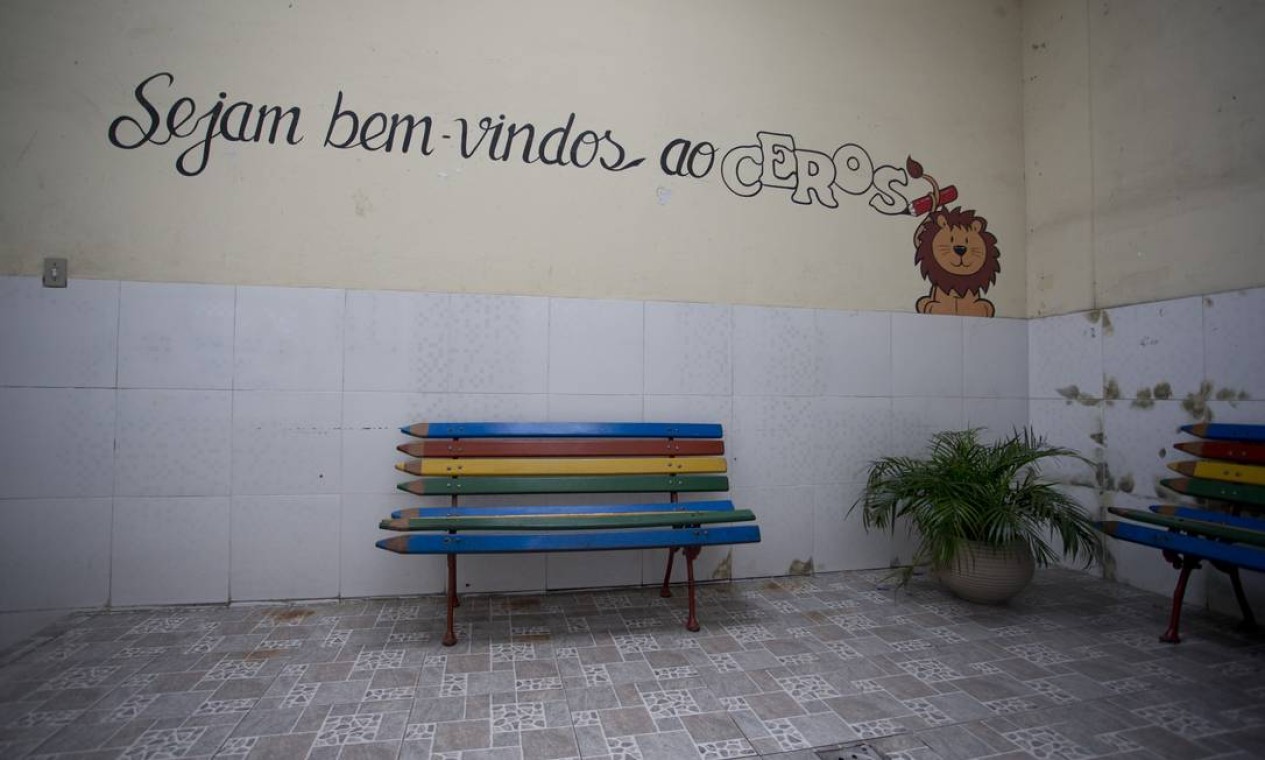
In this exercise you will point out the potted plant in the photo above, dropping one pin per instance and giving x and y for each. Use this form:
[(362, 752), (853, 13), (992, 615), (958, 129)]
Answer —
[(982, 514)]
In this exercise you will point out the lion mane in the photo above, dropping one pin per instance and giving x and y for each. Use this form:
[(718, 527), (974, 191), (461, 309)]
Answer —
[(977, 282)]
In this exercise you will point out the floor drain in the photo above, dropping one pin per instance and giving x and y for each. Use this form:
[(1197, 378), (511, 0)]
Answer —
[(857, 751)]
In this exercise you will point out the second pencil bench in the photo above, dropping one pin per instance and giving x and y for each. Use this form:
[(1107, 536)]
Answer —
[(1233, 474), (469, 458)]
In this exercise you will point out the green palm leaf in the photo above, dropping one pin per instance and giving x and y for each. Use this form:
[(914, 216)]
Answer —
[(992, 493)]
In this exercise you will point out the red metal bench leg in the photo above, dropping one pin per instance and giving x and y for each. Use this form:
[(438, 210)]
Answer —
[(450, 637), (690, 552), (1175, 617), (666, 592)]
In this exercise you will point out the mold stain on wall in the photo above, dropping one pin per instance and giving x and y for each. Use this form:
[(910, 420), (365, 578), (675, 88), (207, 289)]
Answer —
[(724, 571), (1111, 390), (1074, 394), (1196, 404), (801, 567), (1143, 400), (1101, 318)]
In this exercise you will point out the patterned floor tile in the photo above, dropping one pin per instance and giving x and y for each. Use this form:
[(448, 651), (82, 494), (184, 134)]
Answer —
[(1047, 744), (1071, 669), (162, 744), (348, 729)]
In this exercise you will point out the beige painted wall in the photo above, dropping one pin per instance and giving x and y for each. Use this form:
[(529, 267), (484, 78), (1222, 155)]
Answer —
[(1144, 134), (829, 73)]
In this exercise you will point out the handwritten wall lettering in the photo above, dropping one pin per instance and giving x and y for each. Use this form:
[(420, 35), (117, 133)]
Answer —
[(503, 139), (233, 124), (812, 176), (376, 131), (687, 158), (774, 161)]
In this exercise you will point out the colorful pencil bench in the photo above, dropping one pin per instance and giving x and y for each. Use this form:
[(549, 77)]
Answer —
[(1232, 471), (479, 458)]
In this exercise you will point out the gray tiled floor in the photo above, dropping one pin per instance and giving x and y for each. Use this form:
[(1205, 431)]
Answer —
[(1071, 669)]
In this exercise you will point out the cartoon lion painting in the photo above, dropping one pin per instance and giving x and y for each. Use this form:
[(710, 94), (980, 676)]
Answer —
[(957, 254)]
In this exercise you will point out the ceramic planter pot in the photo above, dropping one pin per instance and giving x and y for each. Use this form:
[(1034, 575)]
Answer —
[(986, 574)]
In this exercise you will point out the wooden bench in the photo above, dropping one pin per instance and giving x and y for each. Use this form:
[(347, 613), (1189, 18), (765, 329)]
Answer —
[(1233, 472), (467, 458)]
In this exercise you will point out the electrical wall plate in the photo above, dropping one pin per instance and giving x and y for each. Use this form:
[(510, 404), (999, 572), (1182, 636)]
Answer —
[(56, 272)]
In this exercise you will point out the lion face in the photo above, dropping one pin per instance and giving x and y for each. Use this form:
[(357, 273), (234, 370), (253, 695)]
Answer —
[(956, 252), (959, 250)]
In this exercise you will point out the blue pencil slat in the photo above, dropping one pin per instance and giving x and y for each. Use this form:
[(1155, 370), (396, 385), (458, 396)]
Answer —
[(1220, 518), (569, 542), (1222, 431), (563, 430), (663, 506), (1235, 554)]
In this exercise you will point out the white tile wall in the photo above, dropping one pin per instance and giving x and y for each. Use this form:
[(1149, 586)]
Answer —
[(592, 569), (285, 547), (176, 336), (840, 540), (1208, 352), (596, 347), (855, 352), (58, 338), (267, 419), (915, 419), (502, 572), (785, 536), (54, 553), (851, 432), (995, 355), (1074, 426), (287, 442), (1140, 444), (688, 349), (497, 344), (999, 417), (370, 571), (594, 408), (170, 551), (396, 342), (1155, 343), (717, 409), (173, 443), (1234, 341), (1065, 356), (771, 441), (775, 352), (1246, 412), (927, 355), (56, 442), (289, 339)]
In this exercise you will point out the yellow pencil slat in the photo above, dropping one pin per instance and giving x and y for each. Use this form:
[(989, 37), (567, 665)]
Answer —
[(568, 466), (1231, 471)]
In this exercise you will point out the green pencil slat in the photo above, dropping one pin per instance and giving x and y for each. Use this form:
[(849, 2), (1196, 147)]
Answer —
[(566, 484), (1197, 527), (584, 522), (1216, 489)]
